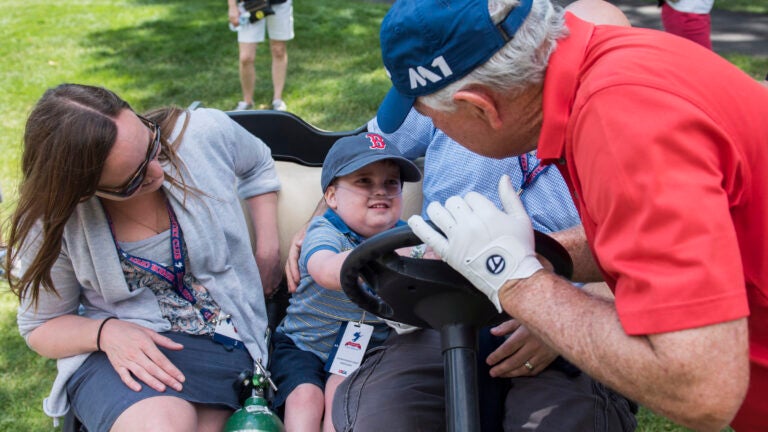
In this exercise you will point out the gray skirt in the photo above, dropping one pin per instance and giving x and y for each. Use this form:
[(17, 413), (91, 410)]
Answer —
[(98, 396)]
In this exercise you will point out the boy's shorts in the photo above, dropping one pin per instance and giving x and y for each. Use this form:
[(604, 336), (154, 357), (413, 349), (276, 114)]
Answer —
[(291, 366), (279, 25)]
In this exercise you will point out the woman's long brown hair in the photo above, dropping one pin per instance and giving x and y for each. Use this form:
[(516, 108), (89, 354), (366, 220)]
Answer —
[(67, 139)]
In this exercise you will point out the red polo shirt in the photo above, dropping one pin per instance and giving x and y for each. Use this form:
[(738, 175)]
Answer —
[(664, 145)]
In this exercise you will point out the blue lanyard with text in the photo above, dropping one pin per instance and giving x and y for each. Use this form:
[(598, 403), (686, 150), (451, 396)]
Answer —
[(174, 277), (529, 176)]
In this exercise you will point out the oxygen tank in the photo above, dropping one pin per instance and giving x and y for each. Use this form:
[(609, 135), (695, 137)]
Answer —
[(255, 415)]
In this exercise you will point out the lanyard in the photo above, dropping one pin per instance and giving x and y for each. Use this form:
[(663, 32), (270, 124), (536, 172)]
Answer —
[(529, 175), (174, 276)]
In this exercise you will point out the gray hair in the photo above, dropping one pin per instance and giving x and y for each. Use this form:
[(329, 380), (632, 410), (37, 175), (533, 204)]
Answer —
[(521, 62)]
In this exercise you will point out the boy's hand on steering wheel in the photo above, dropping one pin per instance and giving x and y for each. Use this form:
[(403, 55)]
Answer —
[(486, 245), (132, 351)]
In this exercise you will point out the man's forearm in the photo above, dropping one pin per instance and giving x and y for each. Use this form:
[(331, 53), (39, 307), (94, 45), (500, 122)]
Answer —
[(696, 377), (574, 240)]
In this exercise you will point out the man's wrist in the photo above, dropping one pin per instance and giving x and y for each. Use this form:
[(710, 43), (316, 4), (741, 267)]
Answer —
[(512, 288)]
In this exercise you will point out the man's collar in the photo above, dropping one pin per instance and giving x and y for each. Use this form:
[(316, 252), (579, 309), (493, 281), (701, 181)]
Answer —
[(560, 85)]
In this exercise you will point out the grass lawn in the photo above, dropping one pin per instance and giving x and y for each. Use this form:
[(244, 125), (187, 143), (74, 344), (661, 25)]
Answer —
[(158, 52)]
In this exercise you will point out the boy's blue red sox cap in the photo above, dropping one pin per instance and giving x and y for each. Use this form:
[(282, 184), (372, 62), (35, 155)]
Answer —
[(351, 153), (428, 44)]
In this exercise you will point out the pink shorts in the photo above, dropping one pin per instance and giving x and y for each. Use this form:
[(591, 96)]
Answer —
[(695, 27)]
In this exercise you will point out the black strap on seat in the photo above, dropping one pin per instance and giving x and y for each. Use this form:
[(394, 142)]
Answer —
[(289, 137)]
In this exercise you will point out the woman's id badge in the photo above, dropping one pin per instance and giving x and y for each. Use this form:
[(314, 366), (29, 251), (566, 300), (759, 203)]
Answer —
[(349, 348), (226, 333)]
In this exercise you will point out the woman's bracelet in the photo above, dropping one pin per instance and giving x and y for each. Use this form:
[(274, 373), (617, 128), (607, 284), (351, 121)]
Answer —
[(98, 334)]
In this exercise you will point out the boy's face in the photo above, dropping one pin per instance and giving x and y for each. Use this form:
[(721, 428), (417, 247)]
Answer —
[(369, 200)]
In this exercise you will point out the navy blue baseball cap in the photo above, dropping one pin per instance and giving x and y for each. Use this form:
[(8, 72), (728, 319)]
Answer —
[(428, 44), (351, 153)]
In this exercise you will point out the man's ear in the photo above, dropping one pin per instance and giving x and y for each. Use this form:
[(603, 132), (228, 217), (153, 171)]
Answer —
[(482, 103)]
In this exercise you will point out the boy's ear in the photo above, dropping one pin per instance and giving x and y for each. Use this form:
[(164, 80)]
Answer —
[(481, 103), (330, 197)]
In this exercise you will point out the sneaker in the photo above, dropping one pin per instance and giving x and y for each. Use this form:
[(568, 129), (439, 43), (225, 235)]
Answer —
[(242, 106), (279, 105)]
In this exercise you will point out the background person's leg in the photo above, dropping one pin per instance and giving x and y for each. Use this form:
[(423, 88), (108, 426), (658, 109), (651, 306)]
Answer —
[(279, 68), (247, 71), (695, 27), (248, 37), (280, 28)]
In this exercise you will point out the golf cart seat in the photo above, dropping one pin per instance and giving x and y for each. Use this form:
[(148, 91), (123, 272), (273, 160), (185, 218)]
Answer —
[(299, 150)]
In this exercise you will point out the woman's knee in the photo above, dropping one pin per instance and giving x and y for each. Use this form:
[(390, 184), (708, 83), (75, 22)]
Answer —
[(161, 413)]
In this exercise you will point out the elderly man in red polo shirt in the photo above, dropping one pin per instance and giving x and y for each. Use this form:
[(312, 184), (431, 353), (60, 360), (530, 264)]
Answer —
[(664, 146)]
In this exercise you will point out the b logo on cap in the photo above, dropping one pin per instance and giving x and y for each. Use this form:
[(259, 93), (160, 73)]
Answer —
[(377, 141)]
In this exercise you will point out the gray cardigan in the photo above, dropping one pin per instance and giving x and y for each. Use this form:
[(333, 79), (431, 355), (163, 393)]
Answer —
[(228, 164)]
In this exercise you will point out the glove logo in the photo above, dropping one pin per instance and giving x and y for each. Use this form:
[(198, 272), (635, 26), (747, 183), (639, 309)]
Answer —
[(495, 264)]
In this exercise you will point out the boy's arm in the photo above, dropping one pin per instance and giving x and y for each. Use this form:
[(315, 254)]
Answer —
[(325, 267)]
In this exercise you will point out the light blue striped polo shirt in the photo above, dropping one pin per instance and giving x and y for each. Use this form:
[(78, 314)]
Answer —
[(315, 314), (450, 169)]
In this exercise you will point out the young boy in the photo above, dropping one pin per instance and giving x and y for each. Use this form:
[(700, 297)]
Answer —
[(362, 182)]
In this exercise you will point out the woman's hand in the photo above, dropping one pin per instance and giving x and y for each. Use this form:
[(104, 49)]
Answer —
[(522, 354), (132, 349)]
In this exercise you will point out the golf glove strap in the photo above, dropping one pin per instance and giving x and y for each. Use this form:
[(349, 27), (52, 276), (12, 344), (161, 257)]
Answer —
[(486, 245)]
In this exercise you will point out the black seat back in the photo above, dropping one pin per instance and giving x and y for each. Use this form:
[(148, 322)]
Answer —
[(290, 138)]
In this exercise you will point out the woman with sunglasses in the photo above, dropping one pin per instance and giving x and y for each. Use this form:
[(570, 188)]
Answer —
[(134, 261)]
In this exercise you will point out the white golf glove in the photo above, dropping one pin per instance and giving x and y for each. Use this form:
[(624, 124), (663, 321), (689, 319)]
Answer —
[(486, 245)]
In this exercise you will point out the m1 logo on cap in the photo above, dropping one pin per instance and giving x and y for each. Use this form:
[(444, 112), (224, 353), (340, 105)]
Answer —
[(421, 74), (377, 141)]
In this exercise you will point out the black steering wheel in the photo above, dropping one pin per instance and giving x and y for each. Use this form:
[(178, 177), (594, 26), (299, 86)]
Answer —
[(430, 294), (423, 292)]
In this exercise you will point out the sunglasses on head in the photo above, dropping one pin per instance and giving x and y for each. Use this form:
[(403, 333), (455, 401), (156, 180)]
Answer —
[(137, 179)]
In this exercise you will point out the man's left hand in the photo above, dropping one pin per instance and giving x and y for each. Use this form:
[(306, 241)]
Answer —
[(486, 245)]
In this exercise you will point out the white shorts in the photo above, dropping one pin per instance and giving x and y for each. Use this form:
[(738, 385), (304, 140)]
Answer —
[(279, 25)]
